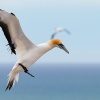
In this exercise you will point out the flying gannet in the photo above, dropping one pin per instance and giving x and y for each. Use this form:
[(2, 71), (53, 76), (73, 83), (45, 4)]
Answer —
[(57, 30), (27, 52)]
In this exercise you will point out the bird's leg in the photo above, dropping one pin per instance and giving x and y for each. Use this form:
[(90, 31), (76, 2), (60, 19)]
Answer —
[(25, 69)]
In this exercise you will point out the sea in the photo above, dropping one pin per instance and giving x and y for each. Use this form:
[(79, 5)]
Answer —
[(53, 82)]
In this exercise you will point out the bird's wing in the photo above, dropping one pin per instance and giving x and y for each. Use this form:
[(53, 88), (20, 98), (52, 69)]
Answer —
[(53, 35), (57, 30), (17, 40), (67, 31)]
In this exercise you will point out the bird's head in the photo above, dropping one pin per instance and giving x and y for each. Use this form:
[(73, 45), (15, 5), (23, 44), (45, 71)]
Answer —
[(58, 43)]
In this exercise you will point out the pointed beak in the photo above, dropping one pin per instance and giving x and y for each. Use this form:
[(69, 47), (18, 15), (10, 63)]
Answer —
[(61, 46)]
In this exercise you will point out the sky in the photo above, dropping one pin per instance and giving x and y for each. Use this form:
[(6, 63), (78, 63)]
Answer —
[(38, 18)]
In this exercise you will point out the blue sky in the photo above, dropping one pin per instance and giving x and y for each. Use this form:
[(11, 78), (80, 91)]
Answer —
[(38, 18)]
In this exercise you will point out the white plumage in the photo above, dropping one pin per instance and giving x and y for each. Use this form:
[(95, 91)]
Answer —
[(27, 52)]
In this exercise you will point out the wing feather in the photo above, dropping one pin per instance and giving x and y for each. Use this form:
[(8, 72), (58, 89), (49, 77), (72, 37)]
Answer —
[(17, 40)]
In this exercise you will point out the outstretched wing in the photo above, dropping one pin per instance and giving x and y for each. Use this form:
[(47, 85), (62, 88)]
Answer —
[(57, 30), (17, 40)]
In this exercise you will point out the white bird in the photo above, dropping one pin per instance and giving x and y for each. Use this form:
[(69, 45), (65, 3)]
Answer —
[(57, 30), (27, 52)]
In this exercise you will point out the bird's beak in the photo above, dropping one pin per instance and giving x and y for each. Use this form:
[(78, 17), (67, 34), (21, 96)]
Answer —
[(61, 46)]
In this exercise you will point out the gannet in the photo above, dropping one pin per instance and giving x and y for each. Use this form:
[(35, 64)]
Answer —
[(57, 30), (27, 52)]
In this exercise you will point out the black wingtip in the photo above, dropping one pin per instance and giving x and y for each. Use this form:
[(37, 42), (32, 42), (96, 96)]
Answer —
[(13, 51), (12, 47), (9, 86), (13, 14)]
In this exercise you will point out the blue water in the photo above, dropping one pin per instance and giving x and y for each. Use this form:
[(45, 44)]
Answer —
[(53, 82)]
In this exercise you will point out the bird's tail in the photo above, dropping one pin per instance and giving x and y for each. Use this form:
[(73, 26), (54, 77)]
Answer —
[(12, 78)]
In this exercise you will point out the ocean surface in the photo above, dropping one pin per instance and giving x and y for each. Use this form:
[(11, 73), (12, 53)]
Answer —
[(53, 82)]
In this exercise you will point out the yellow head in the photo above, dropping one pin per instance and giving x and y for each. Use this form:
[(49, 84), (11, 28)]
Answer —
[(55, 42), (58, 43)]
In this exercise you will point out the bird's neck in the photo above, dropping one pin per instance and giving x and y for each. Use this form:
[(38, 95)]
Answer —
[(45, 47)]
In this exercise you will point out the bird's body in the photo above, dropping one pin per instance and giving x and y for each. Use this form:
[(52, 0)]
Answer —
[(27, 52), (27, 60), (32, 55)]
